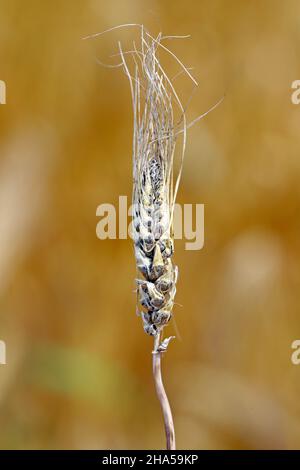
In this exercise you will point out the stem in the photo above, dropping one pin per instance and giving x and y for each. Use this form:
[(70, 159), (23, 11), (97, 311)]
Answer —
[(162, 396)]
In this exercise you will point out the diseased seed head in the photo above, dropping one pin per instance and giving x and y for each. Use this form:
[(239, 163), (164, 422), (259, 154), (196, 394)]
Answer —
[(153, 194)]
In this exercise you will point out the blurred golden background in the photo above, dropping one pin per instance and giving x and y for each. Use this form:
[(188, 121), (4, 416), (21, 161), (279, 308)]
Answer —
[(78, 371)]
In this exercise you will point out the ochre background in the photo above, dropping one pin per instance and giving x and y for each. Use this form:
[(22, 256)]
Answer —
[(79, 365)]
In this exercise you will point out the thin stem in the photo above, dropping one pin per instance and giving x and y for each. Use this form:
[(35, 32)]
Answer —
[(162, 396)]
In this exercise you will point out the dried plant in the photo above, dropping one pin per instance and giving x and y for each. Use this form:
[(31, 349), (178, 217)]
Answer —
[(154, 196), (155, 135)]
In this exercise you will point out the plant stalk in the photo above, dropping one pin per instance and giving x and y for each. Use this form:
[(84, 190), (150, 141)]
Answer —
[(162, 396)]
